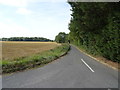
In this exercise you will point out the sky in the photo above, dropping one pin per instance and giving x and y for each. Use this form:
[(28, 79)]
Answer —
[(34, 18)]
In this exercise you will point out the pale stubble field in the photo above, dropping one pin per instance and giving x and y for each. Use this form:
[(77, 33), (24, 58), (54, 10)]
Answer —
[(14, 49)]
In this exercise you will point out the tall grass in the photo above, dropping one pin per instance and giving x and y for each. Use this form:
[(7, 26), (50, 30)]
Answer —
[(9, 66)]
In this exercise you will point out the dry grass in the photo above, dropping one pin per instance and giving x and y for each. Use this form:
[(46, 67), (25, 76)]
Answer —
[(36, 60), (13, 50), (110, 63), (101, 59)]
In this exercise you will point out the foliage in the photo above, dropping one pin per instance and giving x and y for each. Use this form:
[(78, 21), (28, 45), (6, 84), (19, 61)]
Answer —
[(95, 26), (9, 66), (26, 39), (62, 37)]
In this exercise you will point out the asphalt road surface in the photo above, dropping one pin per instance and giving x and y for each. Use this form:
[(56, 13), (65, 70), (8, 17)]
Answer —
[(74, 70)]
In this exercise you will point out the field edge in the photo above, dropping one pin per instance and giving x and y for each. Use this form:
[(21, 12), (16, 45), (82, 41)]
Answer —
[(35, 60)]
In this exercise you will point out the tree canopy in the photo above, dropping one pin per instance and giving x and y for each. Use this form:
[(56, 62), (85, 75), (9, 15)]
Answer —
[(41, 39), (62, 37), (96, 27)]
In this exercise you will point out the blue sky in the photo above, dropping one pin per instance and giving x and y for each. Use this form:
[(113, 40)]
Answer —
[(34, 18)]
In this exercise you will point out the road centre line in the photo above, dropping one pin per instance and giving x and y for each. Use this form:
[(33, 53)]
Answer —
[(87, 65)]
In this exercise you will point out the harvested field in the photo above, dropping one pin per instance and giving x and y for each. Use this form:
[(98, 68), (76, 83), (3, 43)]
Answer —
[(13, 50)]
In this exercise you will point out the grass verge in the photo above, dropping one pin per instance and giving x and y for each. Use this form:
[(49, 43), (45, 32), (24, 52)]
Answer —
[(100, 59), (9, 66)]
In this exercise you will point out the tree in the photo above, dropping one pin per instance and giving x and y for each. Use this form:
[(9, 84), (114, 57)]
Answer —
[(62, 37), (95, 26), (41, 39)]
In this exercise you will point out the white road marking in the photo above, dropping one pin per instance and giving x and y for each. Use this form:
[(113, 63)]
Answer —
[(87, 65)]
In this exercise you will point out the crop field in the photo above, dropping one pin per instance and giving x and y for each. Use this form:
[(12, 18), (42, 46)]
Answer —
[(14, 50)]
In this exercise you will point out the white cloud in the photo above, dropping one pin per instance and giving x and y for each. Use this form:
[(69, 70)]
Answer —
[(24, 3), (23, 11), (44, 21), (53, 1), (16, 3), (12, 30)]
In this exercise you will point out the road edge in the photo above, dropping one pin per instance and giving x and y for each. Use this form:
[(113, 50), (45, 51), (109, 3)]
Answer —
[(95, 58), (42, 64)]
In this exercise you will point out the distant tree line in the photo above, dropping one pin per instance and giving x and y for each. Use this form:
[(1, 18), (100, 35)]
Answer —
[(62, 37), (41, 39), (96, 28)]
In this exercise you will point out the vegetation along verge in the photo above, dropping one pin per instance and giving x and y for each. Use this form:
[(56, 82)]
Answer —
[(95, 27), (9, 66)]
